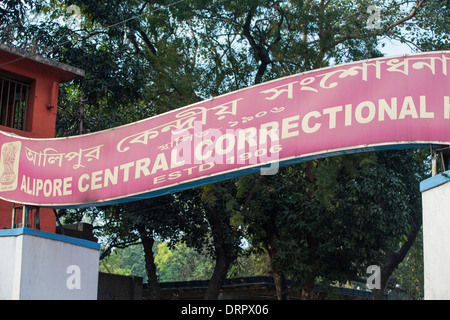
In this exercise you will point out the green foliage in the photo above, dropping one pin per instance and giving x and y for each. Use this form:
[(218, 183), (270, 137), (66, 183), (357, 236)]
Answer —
[(407, 281), (179, 262), (250, 263), (12, 11), (127, 261), (182, 263), (174, 217), (362, 206), (430, 34)]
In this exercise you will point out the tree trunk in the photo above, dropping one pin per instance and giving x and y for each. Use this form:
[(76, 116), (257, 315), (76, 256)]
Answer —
[(385, 272), (150, 267), (278, 275), (280, 284), (394, 259), (218, 277), (308, 290), (223, 256), (312, 243)]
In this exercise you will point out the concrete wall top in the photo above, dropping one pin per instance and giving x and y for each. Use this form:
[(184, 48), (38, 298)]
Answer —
[(49, 235), (435, 181)]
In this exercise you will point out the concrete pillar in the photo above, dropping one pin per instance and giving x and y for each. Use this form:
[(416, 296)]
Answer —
[(40, 265), (436, 236)]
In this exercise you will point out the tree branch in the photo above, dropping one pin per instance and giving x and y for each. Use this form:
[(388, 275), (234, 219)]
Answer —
[(120, 245), (252, 193), (408, 17), (258, 48), (146, 39), (386, 30)]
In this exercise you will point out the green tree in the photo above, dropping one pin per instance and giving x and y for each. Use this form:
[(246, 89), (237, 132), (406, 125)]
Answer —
[(182, 263), (173, 217), (407, 282), (127, 261), (219, 206), (250, 263), (13, 11), (332, 218), (430, 34)]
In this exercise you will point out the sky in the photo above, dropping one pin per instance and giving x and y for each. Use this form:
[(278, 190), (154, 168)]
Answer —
[(394, 47)]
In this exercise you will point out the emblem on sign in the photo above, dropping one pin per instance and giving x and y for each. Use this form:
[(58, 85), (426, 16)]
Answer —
[(9, 165)]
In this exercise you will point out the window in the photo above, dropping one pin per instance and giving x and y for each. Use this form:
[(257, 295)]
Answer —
[(14, 102), (25, 217)]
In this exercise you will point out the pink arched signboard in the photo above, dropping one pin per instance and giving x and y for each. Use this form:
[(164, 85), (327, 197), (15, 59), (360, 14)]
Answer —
[(391, 102)]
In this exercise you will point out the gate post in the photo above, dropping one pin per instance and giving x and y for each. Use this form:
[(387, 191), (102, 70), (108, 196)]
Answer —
[(436, 236)]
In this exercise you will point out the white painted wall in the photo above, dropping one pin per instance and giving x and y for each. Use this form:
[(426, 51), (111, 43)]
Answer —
[(8, 265), (41, 265), (436, 237)]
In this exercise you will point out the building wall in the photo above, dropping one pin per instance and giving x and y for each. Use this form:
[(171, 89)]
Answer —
[(43, 96), (41, 117), (5, 214), (8, 266), (46, 216)]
